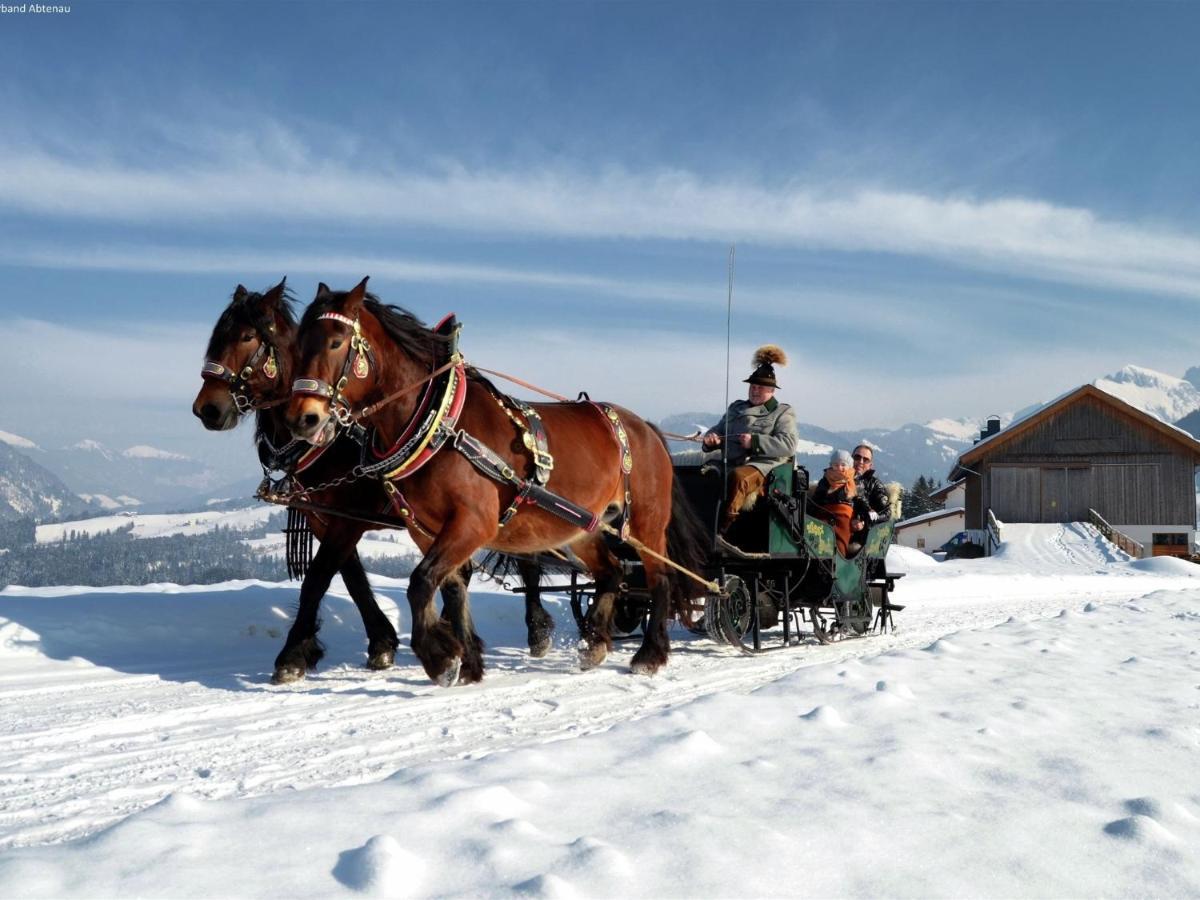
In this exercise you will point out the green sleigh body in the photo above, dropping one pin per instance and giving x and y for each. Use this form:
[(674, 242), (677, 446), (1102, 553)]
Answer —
[(784, 575)]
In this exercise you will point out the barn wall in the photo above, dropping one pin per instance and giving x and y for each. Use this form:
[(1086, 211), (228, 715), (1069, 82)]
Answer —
[(1086, 455), (976, 507)]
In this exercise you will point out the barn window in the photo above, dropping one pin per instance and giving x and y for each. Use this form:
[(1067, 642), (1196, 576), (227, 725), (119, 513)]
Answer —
[(920, 543)]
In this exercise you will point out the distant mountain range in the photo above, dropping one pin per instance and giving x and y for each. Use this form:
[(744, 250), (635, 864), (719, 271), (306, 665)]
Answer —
[(87, 475)]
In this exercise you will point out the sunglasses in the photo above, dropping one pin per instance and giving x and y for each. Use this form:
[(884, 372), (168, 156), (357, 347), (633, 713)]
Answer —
[(858, 457)]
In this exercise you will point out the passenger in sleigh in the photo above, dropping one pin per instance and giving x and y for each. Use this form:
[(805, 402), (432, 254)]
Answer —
[(874, 494), (835, 500), (762, 434)]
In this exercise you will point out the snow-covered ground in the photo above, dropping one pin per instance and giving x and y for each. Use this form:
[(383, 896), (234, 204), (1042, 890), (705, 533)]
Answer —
[(1031, 729)]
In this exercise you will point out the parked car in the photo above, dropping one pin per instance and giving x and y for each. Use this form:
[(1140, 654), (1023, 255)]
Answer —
[(961, 546)]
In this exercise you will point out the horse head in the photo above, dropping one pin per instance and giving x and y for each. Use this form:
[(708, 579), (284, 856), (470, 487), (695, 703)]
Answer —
[(249, 357), (352, 349), (332, 365)]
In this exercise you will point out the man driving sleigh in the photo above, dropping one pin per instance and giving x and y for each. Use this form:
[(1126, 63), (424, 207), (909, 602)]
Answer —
[(761, 434)]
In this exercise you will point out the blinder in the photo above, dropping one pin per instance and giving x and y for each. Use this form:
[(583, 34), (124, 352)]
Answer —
[(358, 363), (239, 382)]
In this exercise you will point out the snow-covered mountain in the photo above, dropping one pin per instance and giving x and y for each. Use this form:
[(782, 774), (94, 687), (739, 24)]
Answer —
[(153, 475), (1165, 396), (30, 489), (15, 440), (144, 451)]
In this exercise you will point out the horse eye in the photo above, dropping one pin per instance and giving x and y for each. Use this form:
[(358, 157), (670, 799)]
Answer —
[(247, 337), (337, 342)]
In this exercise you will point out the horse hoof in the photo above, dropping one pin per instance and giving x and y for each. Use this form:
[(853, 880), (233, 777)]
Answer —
[(591, 656), (538, 649), (643, 668), (449, 676), (287, 674), (383, 660)]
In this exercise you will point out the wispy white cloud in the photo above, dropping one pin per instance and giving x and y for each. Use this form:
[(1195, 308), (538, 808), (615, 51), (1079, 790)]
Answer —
[(239, 263), (1020, 236), (121, 362)]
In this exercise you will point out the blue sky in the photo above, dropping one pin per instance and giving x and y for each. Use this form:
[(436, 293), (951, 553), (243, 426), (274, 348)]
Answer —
[(939, 209)]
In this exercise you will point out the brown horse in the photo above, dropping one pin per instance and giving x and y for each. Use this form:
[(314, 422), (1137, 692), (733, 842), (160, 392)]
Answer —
[(249, 366), (355, 352)]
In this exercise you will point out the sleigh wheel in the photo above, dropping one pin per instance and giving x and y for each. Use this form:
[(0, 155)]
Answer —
[(727, 614)]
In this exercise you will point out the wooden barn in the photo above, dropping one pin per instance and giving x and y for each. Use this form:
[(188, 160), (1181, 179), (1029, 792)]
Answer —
[(1088, 453)]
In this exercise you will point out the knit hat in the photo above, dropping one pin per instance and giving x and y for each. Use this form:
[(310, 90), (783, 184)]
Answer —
[(840, 458), (765, 359)]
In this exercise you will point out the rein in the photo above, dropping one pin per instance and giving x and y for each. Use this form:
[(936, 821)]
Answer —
[(372, 408)]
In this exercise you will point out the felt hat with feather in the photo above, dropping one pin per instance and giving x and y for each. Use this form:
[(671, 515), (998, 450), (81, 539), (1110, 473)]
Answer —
[(765, 359)]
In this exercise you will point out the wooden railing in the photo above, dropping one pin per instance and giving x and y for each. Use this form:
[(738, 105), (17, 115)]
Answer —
[(993, 533), (1123, 541)]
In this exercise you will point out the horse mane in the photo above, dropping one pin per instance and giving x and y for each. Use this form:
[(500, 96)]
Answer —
[(238, 312), (409, 333)]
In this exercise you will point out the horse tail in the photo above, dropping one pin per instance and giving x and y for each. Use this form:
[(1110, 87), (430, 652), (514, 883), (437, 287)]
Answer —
[(688, 541)]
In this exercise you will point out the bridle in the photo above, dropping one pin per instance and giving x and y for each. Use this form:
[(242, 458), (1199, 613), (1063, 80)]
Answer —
[(239, 382), (359, 361)]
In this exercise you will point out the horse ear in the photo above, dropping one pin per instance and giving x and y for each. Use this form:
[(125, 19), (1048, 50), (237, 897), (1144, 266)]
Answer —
[(323, 289), (239, 294), (271, 303), (354, 299), (274, 295)]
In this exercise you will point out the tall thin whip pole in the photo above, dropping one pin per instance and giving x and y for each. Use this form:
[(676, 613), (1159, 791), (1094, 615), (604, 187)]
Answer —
[(728, 342)]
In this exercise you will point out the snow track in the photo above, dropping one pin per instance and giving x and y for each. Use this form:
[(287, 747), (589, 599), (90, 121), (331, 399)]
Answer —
[(115, 698)]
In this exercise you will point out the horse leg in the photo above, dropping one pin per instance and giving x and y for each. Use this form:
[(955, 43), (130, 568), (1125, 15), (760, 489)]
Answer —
[(433, 639), (539, 624), (595, 637), (456, 610), (303, 650), (382, 641), (656, 645)]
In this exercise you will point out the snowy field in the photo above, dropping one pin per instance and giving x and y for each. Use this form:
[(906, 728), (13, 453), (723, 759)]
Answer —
[(374, 544), (1031, 729)]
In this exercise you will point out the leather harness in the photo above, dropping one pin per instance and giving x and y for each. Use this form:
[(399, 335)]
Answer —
[(433, 425), (239, 382), (294, 456)]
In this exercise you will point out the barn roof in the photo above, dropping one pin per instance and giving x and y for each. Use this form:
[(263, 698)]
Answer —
[(930, 516), (989, 445), (944, 491)]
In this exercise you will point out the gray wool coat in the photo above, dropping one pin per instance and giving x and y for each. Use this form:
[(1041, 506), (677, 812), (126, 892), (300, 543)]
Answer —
[(773, 427)]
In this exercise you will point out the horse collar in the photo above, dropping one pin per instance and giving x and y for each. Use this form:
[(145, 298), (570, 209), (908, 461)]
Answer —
[(431, 424)]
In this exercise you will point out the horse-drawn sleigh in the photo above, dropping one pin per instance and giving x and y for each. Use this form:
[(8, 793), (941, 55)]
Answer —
[(374, 419)]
